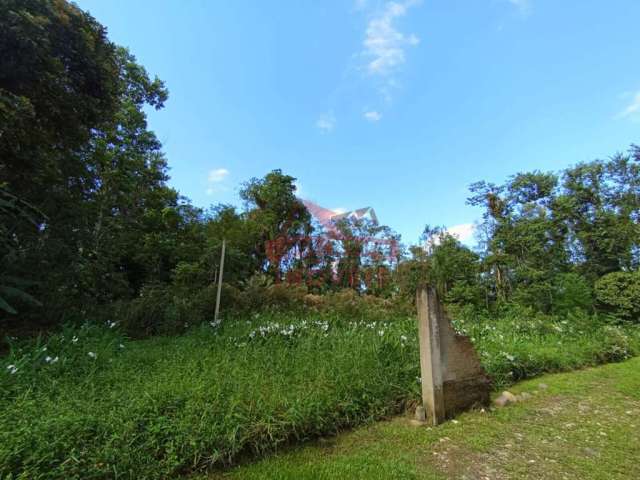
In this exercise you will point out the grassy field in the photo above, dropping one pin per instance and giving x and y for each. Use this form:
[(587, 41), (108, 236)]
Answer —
[(88, 403), (585, 425)]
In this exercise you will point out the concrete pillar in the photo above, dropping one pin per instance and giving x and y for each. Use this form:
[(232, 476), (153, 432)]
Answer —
[(430, 355)]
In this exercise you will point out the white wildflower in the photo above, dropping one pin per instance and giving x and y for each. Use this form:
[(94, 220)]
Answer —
[(12, 369), (74, 339), (381, 332), (93, 355)]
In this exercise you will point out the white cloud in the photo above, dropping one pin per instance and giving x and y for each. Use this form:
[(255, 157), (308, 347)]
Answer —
[(462, 232), (326, 122), (523, 6), (373, 116), (215, 179), (384, 45), (633, 108), (217, 175)]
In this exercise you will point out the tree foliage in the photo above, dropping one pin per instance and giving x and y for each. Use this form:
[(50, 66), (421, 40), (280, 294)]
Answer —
[(88, 222)]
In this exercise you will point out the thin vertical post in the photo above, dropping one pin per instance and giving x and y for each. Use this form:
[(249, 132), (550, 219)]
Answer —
[(429, 313), (215, 318)]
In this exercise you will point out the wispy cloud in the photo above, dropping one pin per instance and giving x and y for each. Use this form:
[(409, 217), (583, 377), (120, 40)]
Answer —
[(463, 232), (373, 116), (326, 122), (524, 6), (217, 175), (384, 45), (633, 108), (214, 180)]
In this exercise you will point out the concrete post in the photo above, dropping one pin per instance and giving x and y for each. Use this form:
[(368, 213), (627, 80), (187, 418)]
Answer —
[(430, 354), (221, 272)]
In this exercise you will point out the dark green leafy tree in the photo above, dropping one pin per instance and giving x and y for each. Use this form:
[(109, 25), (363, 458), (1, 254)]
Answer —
[(541, 228), (281, 220), (74, 144), (13, 213), (600, 204), (59, 80)]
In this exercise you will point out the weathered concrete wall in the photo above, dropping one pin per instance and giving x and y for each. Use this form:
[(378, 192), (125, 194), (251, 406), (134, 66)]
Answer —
[(453, 379)]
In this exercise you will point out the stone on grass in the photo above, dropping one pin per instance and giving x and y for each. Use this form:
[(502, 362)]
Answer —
[(505, 398), (510, 396), (421, 414)]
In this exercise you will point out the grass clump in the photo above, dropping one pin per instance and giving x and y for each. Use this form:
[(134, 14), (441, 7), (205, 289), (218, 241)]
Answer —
[(88, 403)]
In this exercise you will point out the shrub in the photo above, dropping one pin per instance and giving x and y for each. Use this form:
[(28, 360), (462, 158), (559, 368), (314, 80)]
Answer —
[(571, 291), (146, 314), (619, 294), (287, 297), (616, 345)]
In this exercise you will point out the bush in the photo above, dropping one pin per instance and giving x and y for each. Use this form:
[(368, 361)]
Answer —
[(571, 291), (616, 345), (619, 294), (145, 315)]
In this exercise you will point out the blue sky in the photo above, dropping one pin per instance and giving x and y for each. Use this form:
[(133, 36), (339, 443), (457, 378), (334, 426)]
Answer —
[(395, 105)]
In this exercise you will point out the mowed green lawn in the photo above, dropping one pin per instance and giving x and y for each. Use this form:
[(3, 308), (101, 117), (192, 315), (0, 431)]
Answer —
[(585, 425)]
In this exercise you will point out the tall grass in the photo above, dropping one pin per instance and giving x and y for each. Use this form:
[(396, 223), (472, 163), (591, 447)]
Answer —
[(157, 408)]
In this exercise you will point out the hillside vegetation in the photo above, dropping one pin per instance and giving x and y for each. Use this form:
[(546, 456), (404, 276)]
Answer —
[(87, 403)]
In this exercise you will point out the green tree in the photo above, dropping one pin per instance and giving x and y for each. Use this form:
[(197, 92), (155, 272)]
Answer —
[(58, 81), (600, 204), (74, 144), (282, 221)]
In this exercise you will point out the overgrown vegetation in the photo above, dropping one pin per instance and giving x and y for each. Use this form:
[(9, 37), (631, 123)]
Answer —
[(584, 425), (318, 331)]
